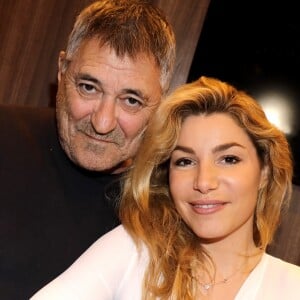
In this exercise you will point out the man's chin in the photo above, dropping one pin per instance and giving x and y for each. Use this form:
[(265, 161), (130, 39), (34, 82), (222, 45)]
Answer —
[(104, 166)]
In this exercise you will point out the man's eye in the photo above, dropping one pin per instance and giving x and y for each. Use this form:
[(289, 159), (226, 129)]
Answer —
[(133, 102), (86, 88)]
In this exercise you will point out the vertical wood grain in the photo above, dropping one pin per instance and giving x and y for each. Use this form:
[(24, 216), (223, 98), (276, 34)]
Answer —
[(187, 18), (32, 32)]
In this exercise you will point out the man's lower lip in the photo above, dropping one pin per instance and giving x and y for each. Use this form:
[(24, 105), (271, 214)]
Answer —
[(100, 140)]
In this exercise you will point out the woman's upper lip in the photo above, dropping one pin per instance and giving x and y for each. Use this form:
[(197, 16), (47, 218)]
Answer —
[(208, 202)]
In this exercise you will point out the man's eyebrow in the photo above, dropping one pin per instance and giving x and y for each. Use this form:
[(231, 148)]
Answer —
[(135, 92), (88, 77)]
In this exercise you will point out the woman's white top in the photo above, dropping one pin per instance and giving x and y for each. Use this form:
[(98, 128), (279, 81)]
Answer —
[(112, 269)]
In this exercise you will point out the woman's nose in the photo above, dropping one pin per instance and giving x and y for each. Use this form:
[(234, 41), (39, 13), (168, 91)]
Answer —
[(206, 178)]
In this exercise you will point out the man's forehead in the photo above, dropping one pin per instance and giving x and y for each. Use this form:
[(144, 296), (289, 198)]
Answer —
[(95, 46)]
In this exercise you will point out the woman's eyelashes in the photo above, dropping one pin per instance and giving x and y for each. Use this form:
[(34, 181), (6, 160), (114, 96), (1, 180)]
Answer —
[(230, 159), (184, 161), (181, 162)]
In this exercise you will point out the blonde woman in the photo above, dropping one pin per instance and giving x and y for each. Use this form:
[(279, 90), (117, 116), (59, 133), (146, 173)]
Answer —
[(198, 210)]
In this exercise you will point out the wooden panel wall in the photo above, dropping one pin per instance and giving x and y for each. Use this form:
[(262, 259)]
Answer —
[(187, 18), (32, 32)]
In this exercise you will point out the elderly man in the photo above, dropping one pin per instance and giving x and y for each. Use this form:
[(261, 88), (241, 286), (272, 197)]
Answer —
[(59, 176)]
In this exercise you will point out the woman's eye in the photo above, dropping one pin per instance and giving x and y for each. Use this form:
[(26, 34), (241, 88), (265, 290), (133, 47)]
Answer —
[(183, 162), (231, 159)]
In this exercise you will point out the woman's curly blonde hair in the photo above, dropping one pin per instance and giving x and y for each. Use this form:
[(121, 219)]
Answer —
[(147, 210)]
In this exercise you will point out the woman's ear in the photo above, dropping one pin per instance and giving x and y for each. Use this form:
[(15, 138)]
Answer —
[(264, 176)]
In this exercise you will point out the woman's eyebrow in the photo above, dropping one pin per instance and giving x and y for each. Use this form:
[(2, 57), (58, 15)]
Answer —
[(218, 148), (226, 146), (184, 149)]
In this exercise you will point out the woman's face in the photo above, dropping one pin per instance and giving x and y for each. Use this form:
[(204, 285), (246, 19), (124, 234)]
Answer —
[(215, 176)]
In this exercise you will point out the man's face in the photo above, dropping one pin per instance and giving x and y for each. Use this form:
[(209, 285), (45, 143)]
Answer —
[(103, 105)]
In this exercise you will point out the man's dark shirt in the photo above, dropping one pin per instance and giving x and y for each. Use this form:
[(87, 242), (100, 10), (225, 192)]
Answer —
[(51, 210)]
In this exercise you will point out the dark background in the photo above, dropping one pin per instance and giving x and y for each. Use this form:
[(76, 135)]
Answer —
[(254, 45)]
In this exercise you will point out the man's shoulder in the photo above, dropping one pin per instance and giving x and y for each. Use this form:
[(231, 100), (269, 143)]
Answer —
[(28, 128), (18, 119), (9, 111)]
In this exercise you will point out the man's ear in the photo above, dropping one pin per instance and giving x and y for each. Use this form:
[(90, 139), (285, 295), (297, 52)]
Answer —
[(61, 62)]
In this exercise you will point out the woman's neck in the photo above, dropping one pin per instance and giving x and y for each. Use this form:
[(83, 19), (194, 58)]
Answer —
[(232, 265)]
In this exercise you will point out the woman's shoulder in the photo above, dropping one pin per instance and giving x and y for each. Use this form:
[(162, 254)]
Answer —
[(282, 271), (273, 279), (99, 271), (278, 263), (115, 263), (118, 234), (111, 242)]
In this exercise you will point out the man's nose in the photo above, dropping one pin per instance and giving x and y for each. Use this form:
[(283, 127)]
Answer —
[(206, 178), (104, 116)]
